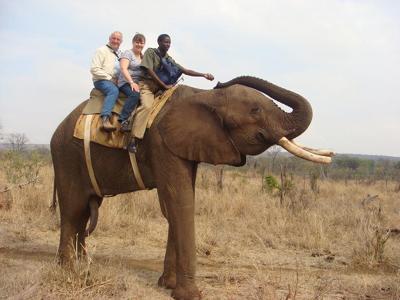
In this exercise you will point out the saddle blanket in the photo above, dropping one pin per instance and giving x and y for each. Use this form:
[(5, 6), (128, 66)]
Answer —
[(95, 103), (114, 139)]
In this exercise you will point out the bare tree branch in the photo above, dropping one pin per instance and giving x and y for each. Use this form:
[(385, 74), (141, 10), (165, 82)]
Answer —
[(17, 141)]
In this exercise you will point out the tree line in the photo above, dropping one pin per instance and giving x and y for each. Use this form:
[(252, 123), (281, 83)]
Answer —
[(343, 167)]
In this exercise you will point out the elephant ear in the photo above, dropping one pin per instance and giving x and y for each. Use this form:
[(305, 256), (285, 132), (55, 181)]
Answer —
[(193, 130)]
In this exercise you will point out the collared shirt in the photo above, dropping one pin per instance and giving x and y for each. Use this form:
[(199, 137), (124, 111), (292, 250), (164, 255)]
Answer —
[(152, 61), (105, 64)]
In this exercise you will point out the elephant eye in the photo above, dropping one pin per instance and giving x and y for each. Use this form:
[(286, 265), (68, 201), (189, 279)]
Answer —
[(255, 110)]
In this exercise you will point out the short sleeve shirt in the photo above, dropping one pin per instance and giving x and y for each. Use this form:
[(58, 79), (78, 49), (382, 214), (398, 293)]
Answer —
[(152, 61), (133, 68)]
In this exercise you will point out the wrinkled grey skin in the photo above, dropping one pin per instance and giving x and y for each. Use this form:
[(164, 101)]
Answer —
[(219, 126)]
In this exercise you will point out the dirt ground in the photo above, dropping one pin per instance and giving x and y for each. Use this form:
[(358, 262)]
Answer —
[(248, 246), (131, 272)]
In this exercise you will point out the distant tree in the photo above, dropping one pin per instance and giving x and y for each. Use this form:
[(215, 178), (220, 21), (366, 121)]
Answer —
[(1, 133), (17, 141), (352, 163), (272, 154), (349, 163)]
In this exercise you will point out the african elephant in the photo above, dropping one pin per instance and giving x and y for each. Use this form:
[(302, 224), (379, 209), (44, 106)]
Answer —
[(218, 126)]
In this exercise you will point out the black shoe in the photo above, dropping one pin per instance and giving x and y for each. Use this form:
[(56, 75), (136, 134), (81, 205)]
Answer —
[(132, 146), (125, 126)]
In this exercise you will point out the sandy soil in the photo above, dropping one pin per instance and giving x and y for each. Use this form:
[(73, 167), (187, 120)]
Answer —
[(130, 271)]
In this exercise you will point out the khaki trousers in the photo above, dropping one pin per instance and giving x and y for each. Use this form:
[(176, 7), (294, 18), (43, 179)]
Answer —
[(147, 90)]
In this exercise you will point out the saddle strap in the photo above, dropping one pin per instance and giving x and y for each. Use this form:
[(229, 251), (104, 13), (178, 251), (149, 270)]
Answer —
[(136, 171), (86, 144)]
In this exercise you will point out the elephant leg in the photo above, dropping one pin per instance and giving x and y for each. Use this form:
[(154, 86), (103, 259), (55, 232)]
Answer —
[(168, 277), (72, 239), (176, 190), (74, 212), (66, 247)]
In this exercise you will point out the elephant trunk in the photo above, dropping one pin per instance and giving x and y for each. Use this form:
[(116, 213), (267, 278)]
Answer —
[(297, 121)]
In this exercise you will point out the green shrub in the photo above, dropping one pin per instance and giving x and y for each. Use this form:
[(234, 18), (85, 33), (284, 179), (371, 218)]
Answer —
[(271, 184)]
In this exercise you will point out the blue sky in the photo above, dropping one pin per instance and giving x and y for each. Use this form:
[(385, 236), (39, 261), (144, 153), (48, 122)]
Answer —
[(344, 56)]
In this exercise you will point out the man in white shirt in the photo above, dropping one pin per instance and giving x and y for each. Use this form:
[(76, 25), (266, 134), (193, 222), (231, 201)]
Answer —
[(105, 69)]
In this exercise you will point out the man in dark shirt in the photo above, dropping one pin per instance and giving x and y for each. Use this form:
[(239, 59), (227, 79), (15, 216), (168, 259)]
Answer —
[(150, 83)]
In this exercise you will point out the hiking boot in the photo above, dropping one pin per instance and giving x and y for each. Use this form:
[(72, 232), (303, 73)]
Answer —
[(125, 126), (106, 124)]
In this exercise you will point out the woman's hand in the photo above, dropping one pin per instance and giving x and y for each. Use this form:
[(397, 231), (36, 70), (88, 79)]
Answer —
[(134, 86)]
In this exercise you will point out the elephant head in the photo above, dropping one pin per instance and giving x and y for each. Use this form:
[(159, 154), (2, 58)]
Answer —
[(235, 119)]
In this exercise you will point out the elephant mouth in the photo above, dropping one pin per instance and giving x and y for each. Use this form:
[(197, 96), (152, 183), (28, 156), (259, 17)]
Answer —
[(261, 137)]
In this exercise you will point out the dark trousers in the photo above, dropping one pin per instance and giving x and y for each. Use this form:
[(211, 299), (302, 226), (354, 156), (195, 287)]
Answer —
[(130, 102)]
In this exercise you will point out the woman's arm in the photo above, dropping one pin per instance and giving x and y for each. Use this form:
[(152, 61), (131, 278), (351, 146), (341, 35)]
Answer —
[(124, 64)]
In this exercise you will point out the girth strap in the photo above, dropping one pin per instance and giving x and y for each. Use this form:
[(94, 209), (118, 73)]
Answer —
[(86, 144), (136, 171)]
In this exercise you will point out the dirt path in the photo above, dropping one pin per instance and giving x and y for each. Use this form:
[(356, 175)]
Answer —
[(29, 271)]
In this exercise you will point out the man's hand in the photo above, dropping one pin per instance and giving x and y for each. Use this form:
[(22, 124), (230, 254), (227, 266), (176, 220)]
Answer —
[(208, 76)]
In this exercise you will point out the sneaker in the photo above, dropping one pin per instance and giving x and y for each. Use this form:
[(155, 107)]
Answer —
[(125, 126)]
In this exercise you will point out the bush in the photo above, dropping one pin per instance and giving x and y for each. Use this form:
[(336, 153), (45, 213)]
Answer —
[(21, 167), (271, 184)]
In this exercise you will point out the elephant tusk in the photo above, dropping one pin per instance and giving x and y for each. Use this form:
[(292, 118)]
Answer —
[(323, 152), (302, 153)]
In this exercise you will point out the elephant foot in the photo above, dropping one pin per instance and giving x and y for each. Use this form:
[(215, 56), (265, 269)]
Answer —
[(186, 293), (66, 262), (167, 281)]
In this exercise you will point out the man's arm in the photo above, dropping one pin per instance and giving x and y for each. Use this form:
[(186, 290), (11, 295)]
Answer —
[(158, 80), (96, 67), (188, 72)]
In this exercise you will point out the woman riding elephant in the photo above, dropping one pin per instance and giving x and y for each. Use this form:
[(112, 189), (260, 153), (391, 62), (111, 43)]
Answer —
[(129, 78)]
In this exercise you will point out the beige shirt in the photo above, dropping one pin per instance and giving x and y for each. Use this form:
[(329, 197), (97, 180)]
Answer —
[(104, 65)]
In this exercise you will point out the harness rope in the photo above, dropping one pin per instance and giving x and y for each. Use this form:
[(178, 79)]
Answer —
[(136, 171), (86, 143)]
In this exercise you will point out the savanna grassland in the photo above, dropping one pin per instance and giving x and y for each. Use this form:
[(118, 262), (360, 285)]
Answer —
[(290, 236)]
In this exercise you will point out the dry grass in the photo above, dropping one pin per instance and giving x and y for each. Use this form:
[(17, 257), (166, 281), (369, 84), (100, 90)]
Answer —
[(324, 245)]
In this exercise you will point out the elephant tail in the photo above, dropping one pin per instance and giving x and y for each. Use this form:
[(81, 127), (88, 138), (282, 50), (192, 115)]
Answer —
[(94, 215), (54, 201)]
